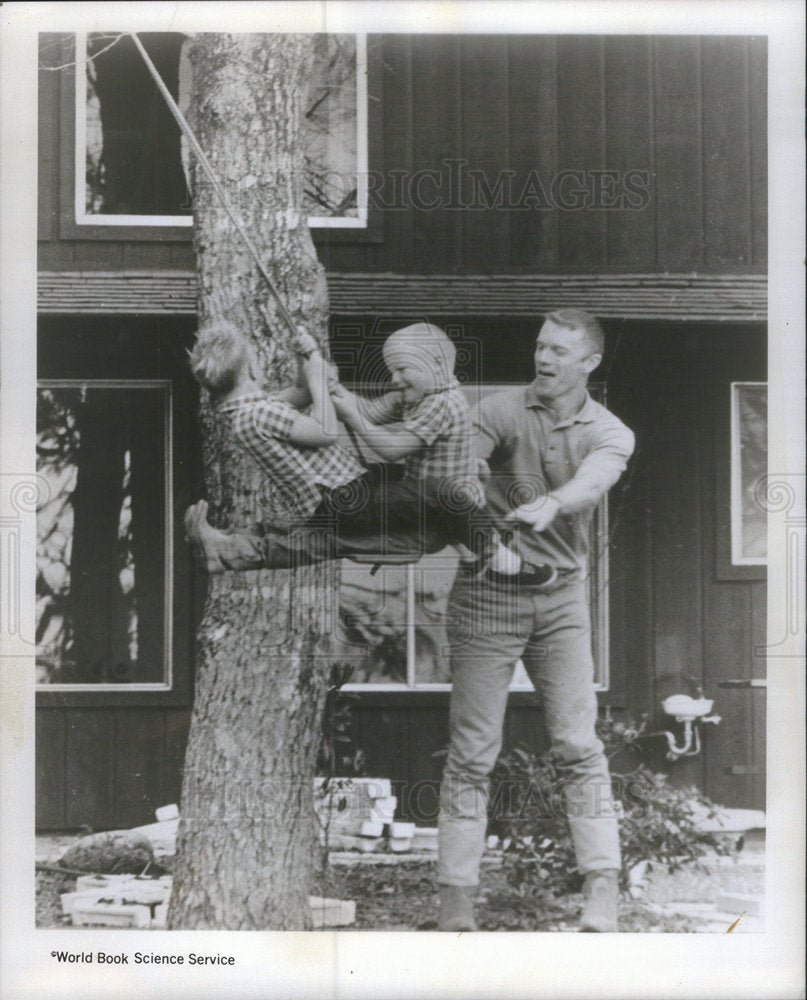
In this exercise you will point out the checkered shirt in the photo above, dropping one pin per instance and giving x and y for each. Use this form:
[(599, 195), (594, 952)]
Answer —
[(262, 426), (446, 464)]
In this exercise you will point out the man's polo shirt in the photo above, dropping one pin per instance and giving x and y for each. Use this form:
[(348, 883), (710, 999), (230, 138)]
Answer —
[(295, 473), (530, 455)]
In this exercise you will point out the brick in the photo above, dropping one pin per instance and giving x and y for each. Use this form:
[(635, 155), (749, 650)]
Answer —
[(384, 809), (110, 915), (332, 912), (372, 828), (402, 831), (167, 812)]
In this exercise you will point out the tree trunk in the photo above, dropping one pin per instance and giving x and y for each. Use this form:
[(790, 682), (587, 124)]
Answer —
[(247, 838)]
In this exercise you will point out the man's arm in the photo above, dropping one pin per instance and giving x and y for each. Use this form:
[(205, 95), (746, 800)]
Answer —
[(597, 473)]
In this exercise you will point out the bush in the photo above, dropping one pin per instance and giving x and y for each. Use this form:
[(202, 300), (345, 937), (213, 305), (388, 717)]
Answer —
[(657, 820)]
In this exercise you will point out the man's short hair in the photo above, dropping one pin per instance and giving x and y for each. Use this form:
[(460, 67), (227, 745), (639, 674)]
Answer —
[(426, 341), (579, 319), (218, 356)]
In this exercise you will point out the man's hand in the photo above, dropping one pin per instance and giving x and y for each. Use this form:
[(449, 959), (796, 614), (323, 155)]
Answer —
[(538, 515)]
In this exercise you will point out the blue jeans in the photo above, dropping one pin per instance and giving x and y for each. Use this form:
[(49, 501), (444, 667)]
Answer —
[(491, 627)]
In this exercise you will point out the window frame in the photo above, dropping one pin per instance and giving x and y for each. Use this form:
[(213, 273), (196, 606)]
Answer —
[(727, 487), (168, 684), (180, 227)]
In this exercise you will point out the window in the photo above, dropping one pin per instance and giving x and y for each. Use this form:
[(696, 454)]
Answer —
[(393, 622), (130, 164), (104, 558), (749, 442)]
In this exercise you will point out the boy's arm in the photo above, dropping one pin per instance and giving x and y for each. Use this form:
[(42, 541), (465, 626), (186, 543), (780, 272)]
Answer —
[(319, 427), (389, 440)]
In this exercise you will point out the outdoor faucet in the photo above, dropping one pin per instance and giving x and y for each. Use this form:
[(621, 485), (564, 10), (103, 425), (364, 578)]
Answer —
[(692, 712)]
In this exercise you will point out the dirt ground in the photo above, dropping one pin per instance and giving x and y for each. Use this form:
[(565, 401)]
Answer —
[(402, 895)]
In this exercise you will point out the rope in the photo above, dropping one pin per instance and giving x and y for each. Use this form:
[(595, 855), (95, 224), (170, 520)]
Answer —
[(217, 186)]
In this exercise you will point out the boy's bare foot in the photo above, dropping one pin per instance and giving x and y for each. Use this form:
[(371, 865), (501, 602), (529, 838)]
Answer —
[(205, 539)]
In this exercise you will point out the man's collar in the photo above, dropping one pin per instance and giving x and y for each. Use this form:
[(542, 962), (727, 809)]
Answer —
[(584, 415)]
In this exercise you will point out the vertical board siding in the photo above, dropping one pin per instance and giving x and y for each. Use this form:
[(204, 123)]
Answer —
[(581, 147), (397, 117), (90, 768), (758, 121), (428, 738), (679, 154), (50, 765), (437, 109), (485, 141), (48, 137), (139, 763), (631, 231), (726, 153), (533, 131)]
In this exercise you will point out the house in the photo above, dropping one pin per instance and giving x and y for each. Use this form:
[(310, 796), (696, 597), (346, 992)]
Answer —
[(479, 182)]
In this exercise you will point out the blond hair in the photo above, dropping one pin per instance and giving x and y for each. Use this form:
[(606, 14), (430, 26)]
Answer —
[(218, 356), (426, 341)]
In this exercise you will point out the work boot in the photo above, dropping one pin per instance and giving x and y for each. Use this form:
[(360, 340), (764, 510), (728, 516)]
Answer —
[(456, 908), (601, 895)]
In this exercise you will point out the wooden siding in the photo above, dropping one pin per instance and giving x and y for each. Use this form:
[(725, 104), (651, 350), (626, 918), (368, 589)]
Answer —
[(686, 297), (486, 111), (675, 622)]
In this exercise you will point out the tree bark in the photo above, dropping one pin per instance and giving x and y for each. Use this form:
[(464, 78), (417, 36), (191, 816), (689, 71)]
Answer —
[(247, 838)]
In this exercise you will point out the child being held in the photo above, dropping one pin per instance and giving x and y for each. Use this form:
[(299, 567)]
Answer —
[(335, 507)]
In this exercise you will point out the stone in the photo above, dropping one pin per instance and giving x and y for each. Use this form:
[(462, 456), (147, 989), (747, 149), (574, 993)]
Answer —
[(113, 852), (167, 812)]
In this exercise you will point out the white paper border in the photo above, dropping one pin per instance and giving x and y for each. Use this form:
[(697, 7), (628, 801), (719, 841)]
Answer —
[(410, 966)]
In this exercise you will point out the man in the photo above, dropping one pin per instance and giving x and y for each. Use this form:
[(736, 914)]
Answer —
[(552, 452)]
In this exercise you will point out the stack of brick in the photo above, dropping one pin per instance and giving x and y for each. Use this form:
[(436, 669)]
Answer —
[(118, 901), (353, 813)]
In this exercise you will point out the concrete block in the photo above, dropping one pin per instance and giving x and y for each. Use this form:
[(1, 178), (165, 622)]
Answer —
[(737, 903), (383, 809), (332, 912), (728, 820), (167, 812), (372, 828), (110, 915), (162, 836), (401, 831), (369, 844), (400, 845), (425, 838)]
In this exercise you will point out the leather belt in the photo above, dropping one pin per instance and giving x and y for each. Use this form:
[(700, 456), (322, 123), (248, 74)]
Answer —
[(535, 576)]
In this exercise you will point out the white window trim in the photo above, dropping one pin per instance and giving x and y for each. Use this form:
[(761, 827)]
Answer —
[(168, 604), (314, 221), (737, 557)]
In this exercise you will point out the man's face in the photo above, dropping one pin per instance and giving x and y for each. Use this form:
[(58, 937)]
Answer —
[(410, 373), (563, 360)]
